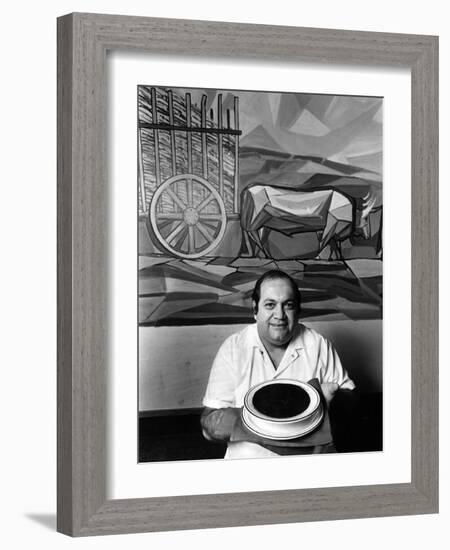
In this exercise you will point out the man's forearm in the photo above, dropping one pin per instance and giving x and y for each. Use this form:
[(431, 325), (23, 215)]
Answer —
[(218, 424)]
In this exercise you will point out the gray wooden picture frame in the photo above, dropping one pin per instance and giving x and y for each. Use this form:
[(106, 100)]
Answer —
[(83, 42)]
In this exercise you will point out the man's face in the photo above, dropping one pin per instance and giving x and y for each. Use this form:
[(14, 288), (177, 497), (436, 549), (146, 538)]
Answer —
[(277, 313)]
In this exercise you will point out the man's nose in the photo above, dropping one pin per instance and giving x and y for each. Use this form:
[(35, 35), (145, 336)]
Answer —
[(279, 311)]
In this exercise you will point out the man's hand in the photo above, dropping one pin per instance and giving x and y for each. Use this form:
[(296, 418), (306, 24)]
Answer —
[(218, 424), (328, 390)]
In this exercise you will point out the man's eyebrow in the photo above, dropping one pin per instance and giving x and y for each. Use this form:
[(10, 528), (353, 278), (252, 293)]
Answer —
[(290, 300)]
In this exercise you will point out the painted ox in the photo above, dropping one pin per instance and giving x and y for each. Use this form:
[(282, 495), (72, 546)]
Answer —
[(327, 214)]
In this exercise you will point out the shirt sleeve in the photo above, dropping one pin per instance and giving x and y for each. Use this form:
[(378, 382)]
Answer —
[(220, 392), (332, 369)]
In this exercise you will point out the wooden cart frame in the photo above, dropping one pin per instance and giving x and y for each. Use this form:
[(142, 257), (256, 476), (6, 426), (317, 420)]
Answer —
[(187, 214)]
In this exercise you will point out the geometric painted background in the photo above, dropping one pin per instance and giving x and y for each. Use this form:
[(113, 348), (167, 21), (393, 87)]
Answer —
[(310, 202)]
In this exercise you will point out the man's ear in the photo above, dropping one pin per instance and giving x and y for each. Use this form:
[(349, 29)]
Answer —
[(254, 308)]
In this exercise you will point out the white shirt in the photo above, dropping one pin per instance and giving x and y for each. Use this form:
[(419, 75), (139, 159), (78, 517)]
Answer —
[(242, 362)]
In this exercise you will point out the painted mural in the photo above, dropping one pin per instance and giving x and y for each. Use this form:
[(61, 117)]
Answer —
[(234, 183)]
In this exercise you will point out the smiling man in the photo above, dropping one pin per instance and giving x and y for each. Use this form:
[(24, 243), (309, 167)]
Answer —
[(277, 346)]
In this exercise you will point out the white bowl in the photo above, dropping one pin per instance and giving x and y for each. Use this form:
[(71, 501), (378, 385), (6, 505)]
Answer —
[(282, 409)]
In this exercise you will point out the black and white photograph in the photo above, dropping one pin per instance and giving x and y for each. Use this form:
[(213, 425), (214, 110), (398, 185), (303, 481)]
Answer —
[(260, 258), (221, 264)]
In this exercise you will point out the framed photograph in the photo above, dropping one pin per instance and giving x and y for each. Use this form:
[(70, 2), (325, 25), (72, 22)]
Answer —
[(247, 269)]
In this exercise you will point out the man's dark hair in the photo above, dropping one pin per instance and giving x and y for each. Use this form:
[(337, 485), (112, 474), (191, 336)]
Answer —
[(272, 275)]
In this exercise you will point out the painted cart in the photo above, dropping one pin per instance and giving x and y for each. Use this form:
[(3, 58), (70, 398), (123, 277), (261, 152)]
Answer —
[(188, 169)]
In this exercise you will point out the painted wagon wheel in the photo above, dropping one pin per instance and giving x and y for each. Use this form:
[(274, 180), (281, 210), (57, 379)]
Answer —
[(187, 216)]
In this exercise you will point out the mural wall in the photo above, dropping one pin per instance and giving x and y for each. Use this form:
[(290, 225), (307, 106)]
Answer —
[(232, 184)]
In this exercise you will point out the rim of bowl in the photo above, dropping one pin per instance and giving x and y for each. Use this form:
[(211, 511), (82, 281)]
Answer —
[(310, 410)]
